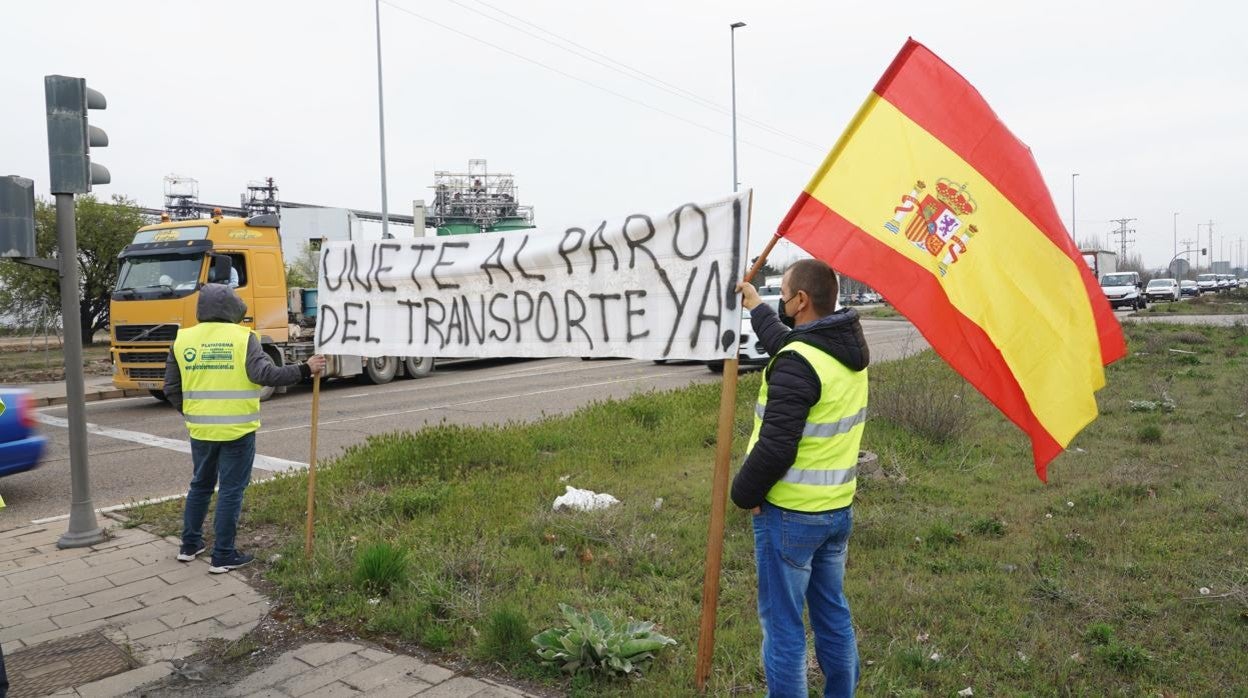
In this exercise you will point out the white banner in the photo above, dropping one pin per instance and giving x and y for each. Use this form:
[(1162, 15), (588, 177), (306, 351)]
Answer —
[(646, 287)]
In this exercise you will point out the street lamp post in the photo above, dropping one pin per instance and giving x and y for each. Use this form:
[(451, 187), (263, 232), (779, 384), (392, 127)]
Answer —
[(1176, 234), (381, 129), (732, 31), (1072, 207)]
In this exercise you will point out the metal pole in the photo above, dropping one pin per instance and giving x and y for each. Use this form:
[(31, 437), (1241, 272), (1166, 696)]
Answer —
[(1176, 234), (381, 129), (1072, 207), (83, 529), (732, 32)]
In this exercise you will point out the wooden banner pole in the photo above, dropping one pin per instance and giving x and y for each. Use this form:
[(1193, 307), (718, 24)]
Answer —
[(719, 504), (316, 423)]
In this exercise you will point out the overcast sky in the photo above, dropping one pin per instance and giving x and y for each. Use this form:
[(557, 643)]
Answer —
[(1147, 101)]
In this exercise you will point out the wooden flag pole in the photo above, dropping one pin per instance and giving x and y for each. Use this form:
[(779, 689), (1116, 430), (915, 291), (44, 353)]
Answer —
[(316, 423), (715, 534), (719, 504)]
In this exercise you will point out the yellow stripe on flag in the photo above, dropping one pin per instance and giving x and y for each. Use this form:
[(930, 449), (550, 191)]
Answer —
[(1010, 280)]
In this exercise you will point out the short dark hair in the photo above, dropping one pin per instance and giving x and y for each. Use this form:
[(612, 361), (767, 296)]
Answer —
[(818, 280)]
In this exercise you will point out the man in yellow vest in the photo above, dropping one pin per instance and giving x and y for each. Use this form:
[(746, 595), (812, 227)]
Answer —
[(213, 377), (799, 476)]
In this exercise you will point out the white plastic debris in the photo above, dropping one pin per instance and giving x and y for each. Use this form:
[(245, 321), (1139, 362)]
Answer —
[(583, 500), (1204, 591), (966, 692), (658, 503), (935, 656)]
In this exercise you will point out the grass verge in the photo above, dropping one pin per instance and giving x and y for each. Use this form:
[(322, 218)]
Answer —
[(1126, 574), (1233, 302), (27, 363)]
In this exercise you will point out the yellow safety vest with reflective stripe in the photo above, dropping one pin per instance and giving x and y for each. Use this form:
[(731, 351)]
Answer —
[(219, 401), (823, 475)]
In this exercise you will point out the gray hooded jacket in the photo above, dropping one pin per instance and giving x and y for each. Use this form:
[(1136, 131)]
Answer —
[(219, 303)]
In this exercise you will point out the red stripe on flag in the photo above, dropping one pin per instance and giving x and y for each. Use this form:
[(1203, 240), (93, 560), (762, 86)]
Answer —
[(919, 296), (922, 87)]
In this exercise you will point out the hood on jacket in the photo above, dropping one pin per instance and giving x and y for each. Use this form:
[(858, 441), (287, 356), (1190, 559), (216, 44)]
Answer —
[(219, 303), (839, 335)]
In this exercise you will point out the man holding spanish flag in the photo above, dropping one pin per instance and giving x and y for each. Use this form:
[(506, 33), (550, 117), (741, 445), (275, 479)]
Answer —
[(929, 199)]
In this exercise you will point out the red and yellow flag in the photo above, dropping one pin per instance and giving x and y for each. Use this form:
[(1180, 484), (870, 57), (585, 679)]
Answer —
[(930, 199)]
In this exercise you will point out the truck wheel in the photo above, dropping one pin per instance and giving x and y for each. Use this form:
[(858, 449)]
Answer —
[(418, 366), (159, 395), (267, 391), (380, 370)]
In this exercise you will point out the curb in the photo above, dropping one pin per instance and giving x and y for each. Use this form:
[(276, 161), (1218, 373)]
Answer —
[(94, 396)]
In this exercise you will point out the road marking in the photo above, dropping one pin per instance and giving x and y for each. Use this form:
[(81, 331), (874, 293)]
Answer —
[(277, 465), (450, 405)]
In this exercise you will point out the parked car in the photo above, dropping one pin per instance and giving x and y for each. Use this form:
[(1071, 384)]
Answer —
[(1187, 287), (1124, 290), (1162, 290), (20, 446)]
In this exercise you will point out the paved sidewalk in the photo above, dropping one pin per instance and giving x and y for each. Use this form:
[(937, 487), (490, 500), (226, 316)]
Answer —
[(128, 588), (325, 670), (129, 599)]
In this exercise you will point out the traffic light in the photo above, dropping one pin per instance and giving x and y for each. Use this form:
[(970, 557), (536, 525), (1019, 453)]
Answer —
[(70, 137), (17, 217), (1204, 251)]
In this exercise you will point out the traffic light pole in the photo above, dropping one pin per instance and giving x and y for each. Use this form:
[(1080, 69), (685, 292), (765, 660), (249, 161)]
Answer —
[(83, 528)]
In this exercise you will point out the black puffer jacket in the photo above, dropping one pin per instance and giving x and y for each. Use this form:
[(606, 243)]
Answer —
[(793, 388)]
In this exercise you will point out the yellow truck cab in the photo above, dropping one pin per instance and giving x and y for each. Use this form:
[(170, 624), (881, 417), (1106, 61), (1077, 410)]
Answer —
[(158, 285)]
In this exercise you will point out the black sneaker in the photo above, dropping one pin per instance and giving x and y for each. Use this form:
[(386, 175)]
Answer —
[(234, 561), (189, 552)]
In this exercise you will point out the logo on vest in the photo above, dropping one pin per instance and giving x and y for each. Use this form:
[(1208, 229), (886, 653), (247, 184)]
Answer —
[(188, 354)]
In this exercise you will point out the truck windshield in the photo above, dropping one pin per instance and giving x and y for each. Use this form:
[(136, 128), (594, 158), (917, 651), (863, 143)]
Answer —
[(1118, 280), (158, 275)]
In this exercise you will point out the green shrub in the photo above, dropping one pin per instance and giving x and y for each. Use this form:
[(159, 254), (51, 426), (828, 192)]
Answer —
[(922, 396), (1150, 434), (596, 644), (988, 526), (1099, 634), (1127, 659), (506, 636), (941, 535), (380, 567)]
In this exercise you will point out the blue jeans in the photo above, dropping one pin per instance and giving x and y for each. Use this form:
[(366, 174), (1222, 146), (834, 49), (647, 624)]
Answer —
[(229, 464), (801, 561)]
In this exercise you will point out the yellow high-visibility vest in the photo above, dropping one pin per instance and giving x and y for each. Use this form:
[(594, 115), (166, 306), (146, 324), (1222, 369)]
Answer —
[(823, 476), (219, 401)]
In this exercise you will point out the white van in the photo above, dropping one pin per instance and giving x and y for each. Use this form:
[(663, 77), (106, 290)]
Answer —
[(1124, 290)]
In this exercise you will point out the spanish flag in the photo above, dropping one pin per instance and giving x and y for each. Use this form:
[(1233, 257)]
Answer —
[(930, 199)]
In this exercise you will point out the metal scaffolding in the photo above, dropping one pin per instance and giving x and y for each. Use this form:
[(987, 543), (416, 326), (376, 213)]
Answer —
[(477, 197)]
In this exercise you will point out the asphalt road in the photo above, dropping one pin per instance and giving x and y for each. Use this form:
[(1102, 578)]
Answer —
[(138, 447)]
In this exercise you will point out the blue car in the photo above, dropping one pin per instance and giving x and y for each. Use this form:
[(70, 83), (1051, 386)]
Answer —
[(20, 447)]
